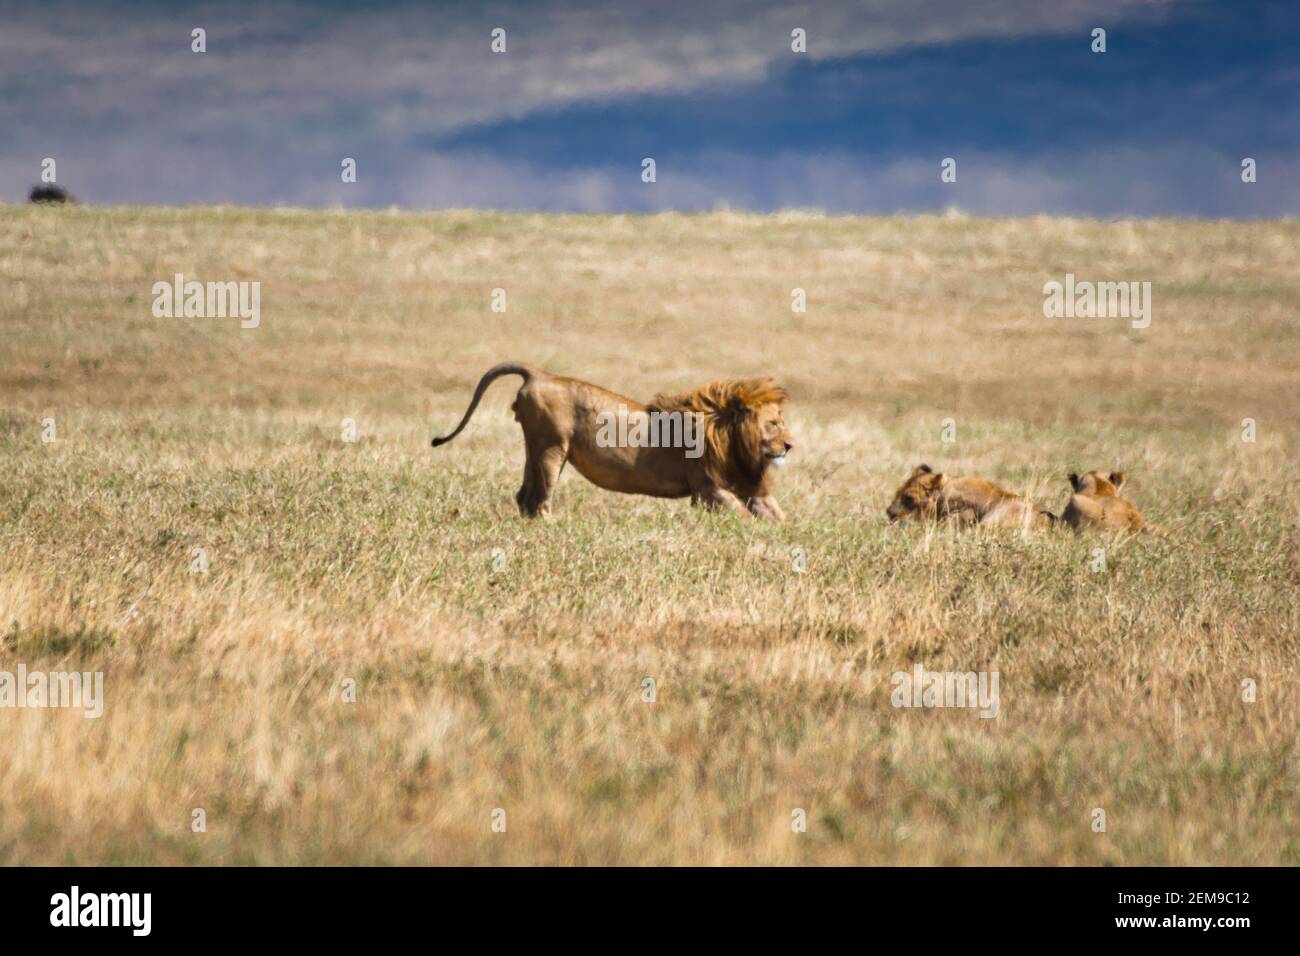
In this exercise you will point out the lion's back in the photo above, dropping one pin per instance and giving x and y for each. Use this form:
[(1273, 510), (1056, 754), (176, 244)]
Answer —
[(1107, 513)]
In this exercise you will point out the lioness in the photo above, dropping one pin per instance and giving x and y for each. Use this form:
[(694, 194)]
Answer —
[(926, 494), (1096, 503), (742, 439)]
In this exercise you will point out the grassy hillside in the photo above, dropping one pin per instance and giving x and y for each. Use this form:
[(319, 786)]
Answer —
[(499, 663)]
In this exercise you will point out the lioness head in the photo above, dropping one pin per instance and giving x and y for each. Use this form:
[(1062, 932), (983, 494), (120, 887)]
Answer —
[(1097, 484), (917, 497)]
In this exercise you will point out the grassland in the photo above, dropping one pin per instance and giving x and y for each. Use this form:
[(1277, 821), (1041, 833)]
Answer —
[(519, 685)]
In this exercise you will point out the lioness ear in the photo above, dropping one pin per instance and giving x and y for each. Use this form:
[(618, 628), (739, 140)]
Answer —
[(922, 470), (1073, 479), (1117, 479)]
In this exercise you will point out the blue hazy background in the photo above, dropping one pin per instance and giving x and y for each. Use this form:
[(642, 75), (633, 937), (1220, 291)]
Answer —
[(1010, 89)]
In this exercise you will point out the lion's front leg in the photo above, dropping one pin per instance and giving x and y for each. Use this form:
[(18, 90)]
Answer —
[(715, 497), (765, 506)]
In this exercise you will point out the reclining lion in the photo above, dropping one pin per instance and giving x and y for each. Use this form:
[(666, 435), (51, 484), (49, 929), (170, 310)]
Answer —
[(928, 495), (731, 438), (1096, 503)]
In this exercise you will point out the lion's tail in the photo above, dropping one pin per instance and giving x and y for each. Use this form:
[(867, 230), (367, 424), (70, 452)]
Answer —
[(494, 373)]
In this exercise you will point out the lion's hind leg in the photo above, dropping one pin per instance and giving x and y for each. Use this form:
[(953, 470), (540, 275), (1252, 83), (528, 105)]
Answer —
[(542, 470)]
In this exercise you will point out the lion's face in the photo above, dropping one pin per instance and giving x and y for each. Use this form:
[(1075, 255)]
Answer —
[(774, 437), (1097, 484), (744, 430), (917, 497)]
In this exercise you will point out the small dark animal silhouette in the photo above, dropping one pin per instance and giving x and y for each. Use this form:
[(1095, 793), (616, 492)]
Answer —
[(51, 194)]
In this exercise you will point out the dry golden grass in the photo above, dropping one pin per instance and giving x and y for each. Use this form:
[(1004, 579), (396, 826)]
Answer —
[(521, 688)]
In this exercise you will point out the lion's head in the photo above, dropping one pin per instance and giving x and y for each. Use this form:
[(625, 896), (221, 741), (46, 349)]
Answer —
[(745, 432), (1097, 484), (918, 495), (1096, 504)]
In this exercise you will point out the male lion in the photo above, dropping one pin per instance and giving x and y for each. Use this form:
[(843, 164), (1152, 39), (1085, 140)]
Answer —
[(1096, 503), (744, 437), (969, 500)]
